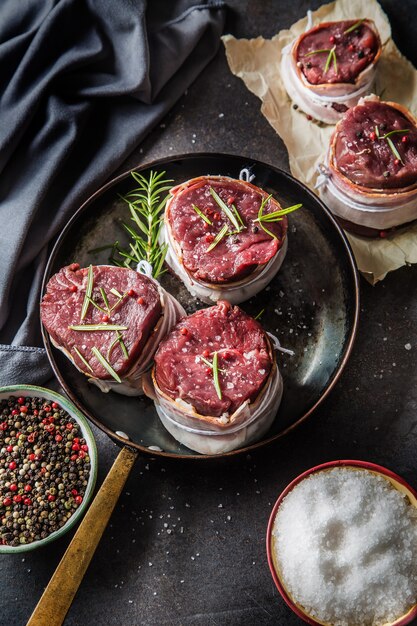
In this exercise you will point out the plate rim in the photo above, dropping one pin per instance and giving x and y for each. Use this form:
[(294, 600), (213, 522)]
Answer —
[(247, 449)]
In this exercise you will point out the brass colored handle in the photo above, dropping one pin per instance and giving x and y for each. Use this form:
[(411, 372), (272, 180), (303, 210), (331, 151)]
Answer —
[(59, 594)]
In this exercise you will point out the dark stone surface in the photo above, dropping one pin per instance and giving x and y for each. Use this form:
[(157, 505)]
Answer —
[(211, 567)]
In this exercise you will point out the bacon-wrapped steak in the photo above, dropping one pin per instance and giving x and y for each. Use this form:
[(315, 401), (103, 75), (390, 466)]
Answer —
[(108, 321), (372, 166), (216, 243), (216, 383), (329, 67)]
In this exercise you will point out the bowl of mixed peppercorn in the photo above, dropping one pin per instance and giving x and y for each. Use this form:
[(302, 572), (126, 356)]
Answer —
[(48, 467)]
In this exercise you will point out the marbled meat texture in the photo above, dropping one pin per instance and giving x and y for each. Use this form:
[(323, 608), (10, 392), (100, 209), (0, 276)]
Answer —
[(244, 358), (235, 256), (62, 304), (354, 52), (369, 161)]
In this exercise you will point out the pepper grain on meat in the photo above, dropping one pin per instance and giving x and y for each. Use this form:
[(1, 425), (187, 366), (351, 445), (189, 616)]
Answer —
[(39, 469)]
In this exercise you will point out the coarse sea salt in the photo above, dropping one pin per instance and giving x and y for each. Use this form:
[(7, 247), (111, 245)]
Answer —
[(346, 544)]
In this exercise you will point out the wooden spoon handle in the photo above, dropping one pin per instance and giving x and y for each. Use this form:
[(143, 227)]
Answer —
[(58, 595)]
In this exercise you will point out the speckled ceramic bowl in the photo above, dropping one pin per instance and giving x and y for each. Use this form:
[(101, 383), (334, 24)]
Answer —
[(397, 482), (39, 392)]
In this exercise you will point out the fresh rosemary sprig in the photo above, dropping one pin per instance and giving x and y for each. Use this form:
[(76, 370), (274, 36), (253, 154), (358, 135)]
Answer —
[(275, 216), (230, 214), (201, 214), (353, 27), (146, 204), (218, 238), (331, 56), (88, 292), (389, 141), (100, 358)]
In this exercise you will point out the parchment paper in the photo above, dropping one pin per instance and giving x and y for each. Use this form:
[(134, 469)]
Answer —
[(257, 63)]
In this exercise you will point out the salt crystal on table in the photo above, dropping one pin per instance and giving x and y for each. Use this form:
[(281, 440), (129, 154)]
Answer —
[(346, 543)]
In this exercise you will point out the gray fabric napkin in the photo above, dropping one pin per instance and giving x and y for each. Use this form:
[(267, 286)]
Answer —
[(81, 83)]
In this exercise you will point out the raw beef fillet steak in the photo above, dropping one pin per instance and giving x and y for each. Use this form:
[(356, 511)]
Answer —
[(195, 218), (353, 51), (122, 298), (375, 146), (184, 360)]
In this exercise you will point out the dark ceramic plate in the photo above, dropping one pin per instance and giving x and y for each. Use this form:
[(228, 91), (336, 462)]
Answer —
[(311, 305)]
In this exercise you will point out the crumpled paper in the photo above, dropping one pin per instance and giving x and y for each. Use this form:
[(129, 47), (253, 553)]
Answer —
[(257, 63)]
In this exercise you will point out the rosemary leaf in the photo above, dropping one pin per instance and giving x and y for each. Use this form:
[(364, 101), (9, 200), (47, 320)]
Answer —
[(334, 59), (115, 292), (393, 149), (331, 56), (276, 216), (116, 304), (97, 327), (206, 361), (120, 341), (377, 131), (122, 345), (105, 364), (216, 376), (135, 235), (88, 292), (264, 228), (261, 215), (396, 132), (160, 262), (353, 27), (97, 306), (239, 217), (143, 227), (329, 60), (218, 238), (80, 356), (261, 312), (201, 214), (225, 208), (309, 54), (104, 296), (129, 257), (110, 350)]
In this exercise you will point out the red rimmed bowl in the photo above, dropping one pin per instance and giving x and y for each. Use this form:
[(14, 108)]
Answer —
[(396, 481)]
